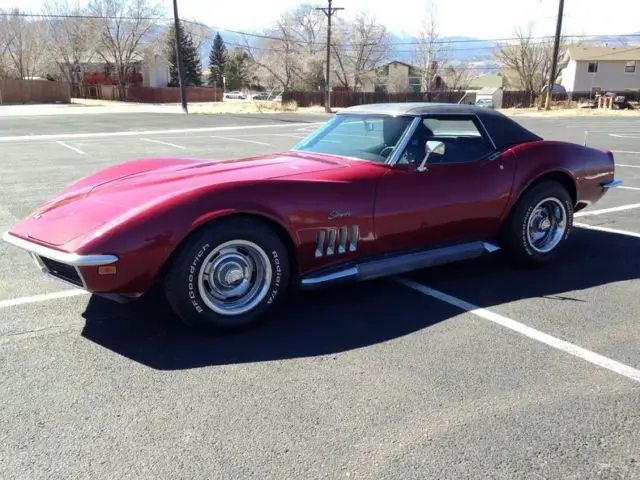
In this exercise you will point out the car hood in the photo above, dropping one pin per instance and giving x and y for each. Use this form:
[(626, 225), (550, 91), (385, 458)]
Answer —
[(84, 210), (192, 174)]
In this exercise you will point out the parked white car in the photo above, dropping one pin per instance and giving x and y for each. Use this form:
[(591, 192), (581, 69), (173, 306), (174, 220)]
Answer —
[(235, 95)]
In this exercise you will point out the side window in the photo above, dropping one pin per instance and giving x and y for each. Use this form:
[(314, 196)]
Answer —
[(463, 138)]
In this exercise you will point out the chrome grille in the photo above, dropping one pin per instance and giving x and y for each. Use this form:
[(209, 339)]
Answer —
[(320, 242), (331, 247), (67, 273), (332, 241), (353, 238)]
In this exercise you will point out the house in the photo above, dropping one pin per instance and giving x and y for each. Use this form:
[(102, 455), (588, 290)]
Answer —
[(594, 69), (487, 81), (393, 77), (146, 71)]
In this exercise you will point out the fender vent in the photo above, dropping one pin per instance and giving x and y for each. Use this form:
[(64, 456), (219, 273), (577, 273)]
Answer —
[(332, 241)]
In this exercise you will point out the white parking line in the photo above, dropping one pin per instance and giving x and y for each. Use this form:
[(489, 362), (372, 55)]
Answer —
[(607, 229), (625, 151), (41, 298), (153, 132), (77, 150), (627, 165), (163, 143), (242, 140), (607, 210), (299, 137), (532, 333), (628, 188)]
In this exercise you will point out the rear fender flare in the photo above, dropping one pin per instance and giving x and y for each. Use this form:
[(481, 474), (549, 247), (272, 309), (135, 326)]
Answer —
[(558, 174)]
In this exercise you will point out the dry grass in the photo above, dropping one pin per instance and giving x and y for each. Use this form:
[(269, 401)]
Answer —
[(243, 107)]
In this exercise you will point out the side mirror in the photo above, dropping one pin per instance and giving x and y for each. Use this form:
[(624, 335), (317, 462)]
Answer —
[(369, 126), (431, 147)]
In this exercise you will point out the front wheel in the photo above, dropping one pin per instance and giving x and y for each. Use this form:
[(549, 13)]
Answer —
[(539, 224), (228, 274)]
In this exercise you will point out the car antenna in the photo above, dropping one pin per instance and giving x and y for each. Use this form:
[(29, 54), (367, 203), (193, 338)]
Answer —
[(586, 134)]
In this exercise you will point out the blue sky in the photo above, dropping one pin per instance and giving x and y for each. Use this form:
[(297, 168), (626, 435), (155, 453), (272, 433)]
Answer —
[(483, 19)]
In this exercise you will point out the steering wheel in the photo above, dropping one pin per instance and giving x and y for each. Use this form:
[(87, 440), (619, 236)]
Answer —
[(386, 151)]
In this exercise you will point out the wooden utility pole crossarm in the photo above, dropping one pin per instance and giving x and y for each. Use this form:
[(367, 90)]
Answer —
[(328, 11)]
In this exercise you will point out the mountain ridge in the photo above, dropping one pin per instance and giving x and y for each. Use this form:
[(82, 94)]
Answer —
[(466, 49)]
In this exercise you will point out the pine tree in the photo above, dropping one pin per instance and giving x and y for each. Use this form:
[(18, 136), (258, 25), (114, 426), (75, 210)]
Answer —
[(217, 61), (237, 71), (190, 58)]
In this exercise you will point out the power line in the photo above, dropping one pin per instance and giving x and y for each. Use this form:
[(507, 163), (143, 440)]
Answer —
[(309, 43)]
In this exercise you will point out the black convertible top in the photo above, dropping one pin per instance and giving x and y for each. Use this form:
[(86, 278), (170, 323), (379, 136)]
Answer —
[(503, 130)]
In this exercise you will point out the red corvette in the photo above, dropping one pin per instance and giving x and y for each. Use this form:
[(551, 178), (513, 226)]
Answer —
[(377, 190)]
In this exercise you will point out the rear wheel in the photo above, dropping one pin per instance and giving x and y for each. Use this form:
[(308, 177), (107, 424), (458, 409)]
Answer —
[(539, 224), (228, 274)]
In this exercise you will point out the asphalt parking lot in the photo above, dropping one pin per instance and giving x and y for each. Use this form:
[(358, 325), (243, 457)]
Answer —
[(476, 370)]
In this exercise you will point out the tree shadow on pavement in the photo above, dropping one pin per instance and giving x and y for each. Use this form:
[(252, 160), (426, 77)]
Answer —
[(340, 319)]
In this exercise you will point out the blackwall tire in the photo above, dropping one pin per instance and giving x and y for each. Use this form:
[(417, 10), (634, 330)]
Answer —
[(539, 225), (228, 275)]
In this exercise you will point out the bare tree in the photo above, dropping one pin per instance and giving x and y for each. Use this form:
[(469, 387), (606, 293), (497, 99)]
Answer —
[(124, 28), (6, 40), (432, 53), (360, 47), (397, 83), (276, 60), (458, 77), (23, 47), (292, 52), (72, 41), (527, 61)]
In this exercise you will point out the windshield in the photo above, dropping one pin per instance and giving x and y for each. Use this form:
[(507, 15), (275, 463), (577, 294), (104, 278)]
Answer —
[(365, 137)]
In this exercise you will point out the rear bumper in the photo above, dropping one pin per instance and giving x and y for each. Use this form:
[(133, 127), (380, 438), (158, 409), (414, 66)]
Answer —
[(60, 265), (612, 184)]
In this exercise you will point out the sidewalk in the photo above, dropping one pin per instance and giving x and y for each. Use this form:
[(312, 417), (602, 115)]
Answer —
[(96, 107), (85, 107)]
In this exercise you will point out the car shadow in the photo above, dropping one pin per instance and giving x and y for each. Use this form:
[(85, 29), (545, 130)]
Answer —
[(335, 320)]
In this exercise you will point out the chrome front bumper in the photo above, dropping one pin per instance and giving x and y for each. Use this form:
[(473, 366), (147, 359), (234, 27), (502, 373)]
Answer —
[(60, 265)]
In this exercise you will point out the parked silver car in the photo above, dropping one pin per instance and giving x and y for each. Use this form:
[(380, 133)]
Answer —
[(485, 102)]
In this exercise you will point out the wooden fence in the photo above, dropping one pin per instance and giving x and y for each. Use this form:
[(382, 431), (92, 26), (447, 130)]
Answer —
[(148, 94), (348, 99), (33, 91)]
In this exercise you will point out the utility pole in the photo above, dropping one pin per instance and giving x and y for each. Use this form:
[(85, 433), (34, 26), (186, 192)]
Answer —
[(554, 59), (329, 11), (183, 92)]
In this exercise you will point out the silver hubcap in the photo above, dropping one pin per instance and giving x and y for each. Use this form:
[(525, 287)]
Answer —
[(547, 225), (234, 277)]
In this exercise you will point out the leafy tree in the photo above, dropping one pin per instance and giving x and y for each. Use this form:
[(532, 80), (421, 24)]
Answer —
[(217, 61), (190, 58), (237, 70)]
